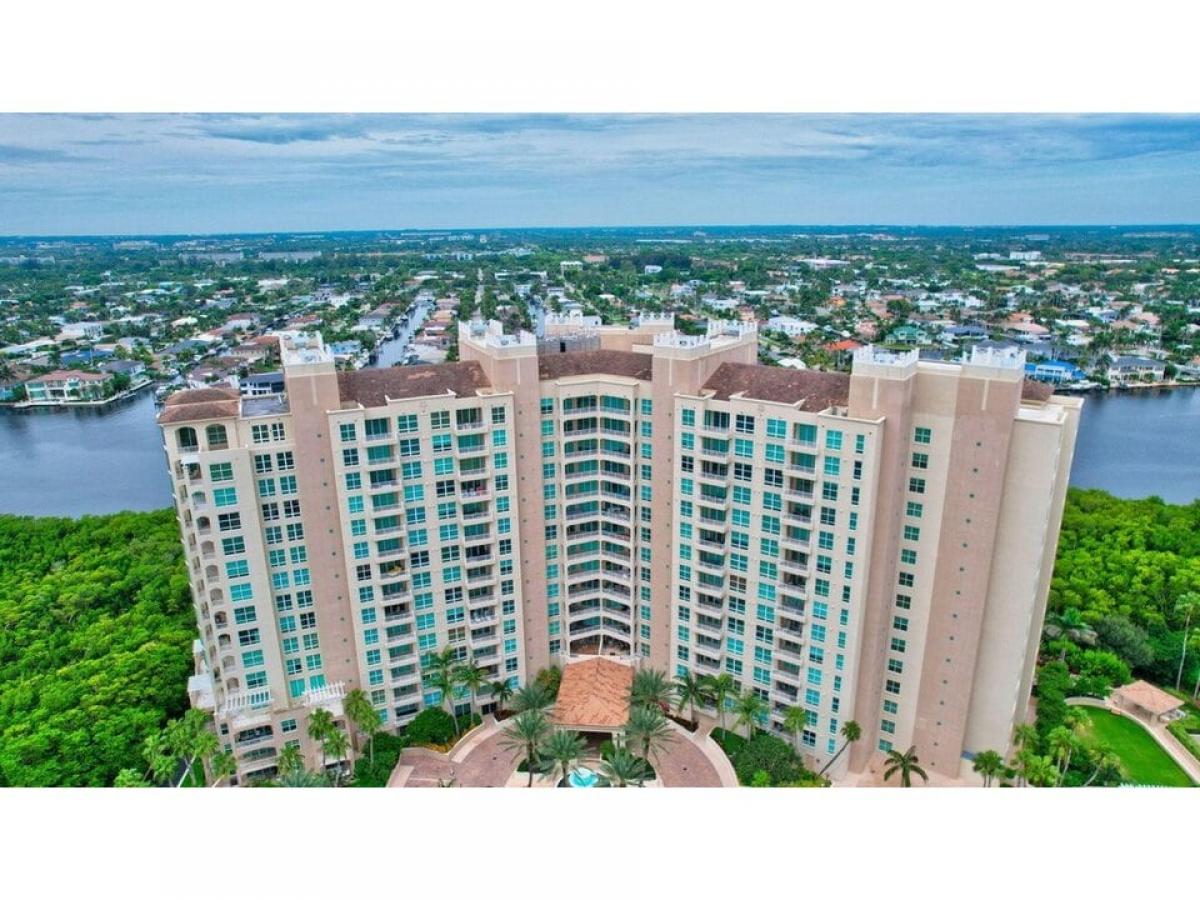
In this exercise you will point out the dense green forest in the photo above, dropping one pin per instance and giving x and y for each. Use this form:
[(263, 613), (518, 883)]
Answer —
[(96, 627), (1127, 581)]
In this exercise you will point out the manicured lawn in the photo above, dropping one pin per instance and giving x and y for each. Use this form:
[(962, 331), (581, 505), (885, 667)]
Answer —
[(1143, 761)]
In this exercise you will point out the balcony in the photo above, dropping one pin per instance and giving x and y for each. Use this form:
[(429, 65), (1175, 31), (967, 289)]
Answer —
[(328, 697)]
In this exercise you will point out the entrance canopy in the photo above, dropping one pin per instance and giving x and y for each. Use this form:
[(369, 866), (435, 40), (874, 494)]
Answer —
[(594, 695)]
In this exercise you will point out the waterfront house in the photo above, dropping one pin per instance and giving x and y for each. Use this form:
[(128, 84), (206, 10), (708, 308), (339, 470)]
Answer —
[(67, 386), (1129, 369), (1054, 371)]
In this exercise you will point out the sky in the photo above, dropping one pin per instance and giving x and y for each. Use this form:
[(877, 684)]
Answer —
[(155, 174)]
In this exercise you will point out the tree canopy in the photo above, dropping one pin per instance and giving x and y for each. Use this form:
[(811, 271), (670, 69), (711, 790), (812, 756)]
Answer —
[(96, 625)]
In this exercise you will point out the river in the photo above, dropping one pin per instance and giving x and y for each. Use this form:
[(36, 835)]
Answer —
[(78, 461)]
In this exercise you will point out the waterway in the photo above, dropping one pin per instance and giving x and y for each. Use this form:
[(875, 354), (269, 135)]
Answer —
[(77, 461)]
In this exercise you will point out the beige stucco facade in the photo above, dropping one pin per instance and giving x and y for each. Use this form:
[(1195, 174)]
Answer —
[(874, 547)]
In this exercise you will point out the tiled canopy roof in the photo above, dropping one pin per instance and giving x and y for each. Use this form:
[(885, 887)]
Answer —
[(372, 387), (1154, 700), (594, 693)]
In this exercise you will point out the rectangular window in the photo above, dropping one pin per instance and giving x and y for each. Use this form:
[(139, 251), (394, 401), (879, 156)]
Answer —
[(923, 436)]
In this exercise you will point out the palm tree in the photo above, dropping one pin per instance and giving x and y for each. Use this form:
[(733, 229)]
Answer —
[(565, 748), (750, 708), (364, 717), (622, 768), (795, 720), (499, 691), (1039, 771), (1188, 604), (525, 733), (904, 763), (989, 764), (301, 778), (336, 744), (851, 733), (691, 689), (1062, 743), (290, 759), (223, 766), (719, 688), (320, 726), (1069, 624), (161, 764), (444, 680), (650, 687), (1024, 736), (474, 677), (130, 778), (205, 747), (531, 696), (648, 727), (1108, 763)]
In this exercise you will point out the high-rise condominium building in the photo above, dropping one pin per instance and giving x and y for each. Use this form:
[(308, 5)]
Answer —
[(874, 546)]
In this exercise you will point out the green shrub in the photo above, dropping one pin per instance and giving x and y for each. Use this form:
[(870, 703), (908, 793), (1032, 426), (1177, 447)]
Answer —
[(767, 753), (607, 749), (1181, 734), (467, 722), (387, 753), (431, 726)]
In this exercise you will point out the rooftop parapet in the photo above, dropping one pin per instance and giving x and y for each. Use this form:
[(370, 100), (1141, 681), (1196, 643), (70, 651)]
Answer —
[(491, 334), (1011, 358), (870, 355), (299, 348)]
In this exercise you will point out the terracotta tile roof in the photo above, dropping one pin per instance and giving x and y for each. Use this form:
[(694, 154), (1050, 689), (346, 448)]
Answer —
[(1154, 700), (197, 412), (625, 363), (1036, 390), (594, 693), (815, 390), (201, 395), (372, 387), (67, 374)]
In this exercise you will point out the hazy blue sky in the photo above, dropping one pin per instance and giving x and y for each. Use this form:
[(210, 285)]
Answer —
[(80, 174)]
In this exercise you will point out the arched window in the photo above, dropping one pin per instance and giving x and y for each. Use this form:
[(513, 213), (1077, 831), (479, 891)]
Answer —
[(216, 437), (186, 438)]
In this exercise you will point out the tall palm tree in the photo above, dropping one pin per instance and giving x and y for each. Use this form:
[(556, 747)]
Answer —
[(500, 692), (336, 744), (532, 696), (159, 761), (361, 714), (795, 720), (650, 687), (1024, 736), (205, 746), (1188, 604), (750, 709), (565, 748), (622, 768), (691, 689), (906, 764), (223, 766), (525, 733), (1062, 743), (290, 759), (473, 676), (647, 727), (444, 680), (720, 688), (1071, 625), (989, 764), (320, 726), (1107, 763), (851, 733)]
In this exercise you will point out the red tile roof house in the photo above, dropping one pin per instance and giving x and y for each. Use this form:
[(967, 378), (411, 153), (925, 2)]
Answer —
[(66, 385)]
